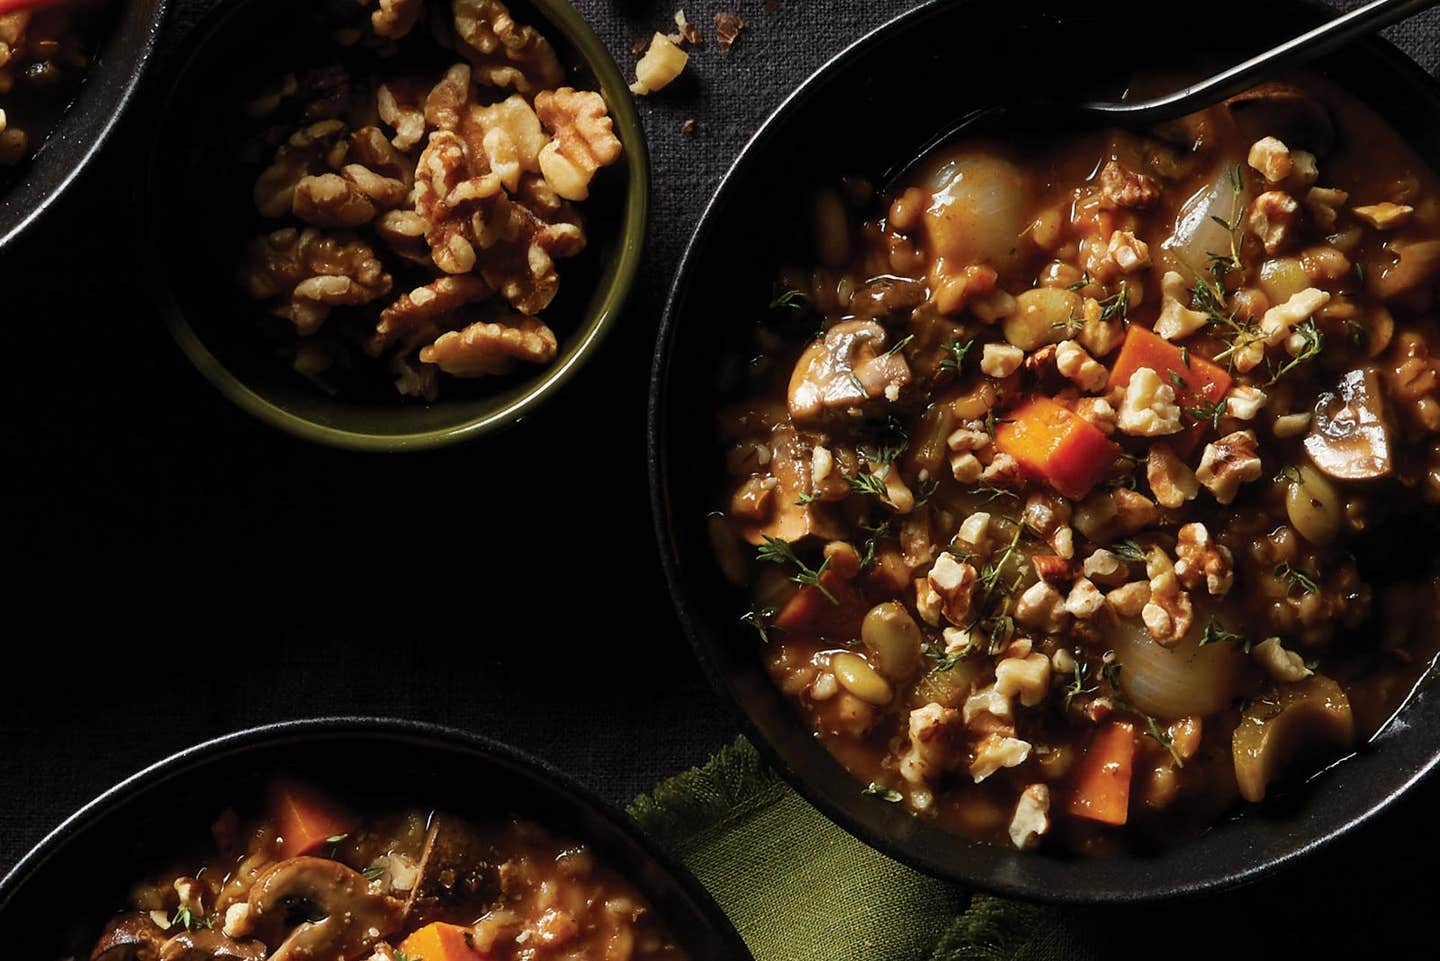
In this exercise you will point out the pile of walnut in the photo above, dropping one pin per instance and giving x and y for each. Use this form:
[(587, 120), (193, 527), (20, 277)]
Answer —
[(469, 184)]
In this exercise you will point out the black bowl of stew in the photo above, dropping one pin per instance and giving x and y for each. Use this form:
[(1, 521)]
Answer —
[(888, 82), (331, 805), (69, 102)]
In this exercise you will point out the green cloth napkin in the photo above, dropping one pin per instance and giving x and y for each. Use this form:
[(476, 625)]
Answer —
[(798, 888)]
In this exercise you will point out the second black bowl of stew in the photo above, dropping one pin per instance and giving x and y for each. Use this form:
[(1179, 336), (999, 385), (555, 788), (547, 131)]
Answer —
[(345, 839), (1062, 506)]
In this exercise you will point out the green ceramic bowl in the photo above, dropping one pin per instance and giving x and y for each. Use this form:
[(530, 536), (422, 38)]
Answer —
[(199, 216)]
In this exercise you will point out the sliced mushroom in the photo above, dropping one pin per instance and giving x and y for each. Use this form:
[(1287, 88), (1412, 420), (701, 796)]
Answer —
[(1349, 438), (1294, 724), (844, 370), (1286, 111), (791, 520), (345, 918), (133, 936), (206, 944), (457, 865), (1415, 267)]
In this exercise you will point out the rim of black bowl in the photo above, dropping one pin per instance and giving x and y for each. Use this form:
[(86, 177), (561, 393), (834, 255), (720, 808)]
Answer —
[(991, 868), (484, 749), (561, 16), (90, 106)]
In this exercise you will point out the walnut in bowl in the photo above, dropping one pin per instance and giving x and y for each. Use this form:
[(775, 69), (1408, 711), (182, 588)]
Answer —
[(392, 200)]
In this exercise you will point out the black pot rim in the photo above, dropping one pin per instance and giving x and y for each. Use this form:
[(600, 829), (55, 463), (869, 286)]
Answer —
[(910, 854), (128, 92), (216, 749)]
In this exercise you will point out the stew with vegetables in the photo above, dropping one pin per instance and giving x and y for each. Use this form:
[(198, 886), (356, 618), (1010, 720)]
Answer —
[(311, 880), (45, 49), (1081, 481)]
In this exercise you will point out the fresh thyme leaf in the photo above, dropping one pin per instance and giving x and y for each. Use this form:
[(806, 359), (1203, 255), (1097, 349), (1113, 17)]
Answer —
[(184, 917), (1110, 671), (763, 620), (776, 551), (944, 662), (788, 298), (1079, 685), (1314, 342), (1185, 357), (807, 498), (1117, 305), (1153, 728), (899, 345), (373, 873), (1360, 273), (1215, 633), (1296, 579), (883, 793), (336, 838), (1208, 411), (925, 488), (888, 441), (1288, 473), (1083, 282), (868, 483), (956, 352), (1128, 551), (402, 956)]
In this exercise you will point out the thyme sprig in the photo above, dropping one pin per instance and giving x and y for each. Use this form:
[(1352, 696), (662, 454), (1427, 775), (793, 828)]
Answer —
[(1297, 579), (955, 353), (776, 551)]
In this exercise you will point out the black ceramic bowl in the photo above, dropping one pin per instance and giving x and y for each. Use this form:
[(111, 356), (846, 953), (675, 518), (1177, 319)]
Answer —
[(199, 166), (106, 94), (89, 862), (893, 89)]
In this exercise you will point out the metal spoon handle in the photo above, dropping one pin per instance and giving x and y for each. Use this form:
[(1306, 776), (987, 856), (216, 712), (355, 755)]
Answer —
[(1322, 40)]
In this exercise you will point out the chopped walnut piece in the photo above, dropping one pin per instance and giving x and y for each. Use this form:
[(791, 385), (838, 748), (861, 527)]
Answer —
[(662, 63), (1199, 560), (504, 53), (448, 188), (996, 751), (1384, 216), (1171, 481), (1052, 569), (1128, 600), (1127, 252), (1076, 365), (1000, 360), (1041, 607), (1324, 205), (727, 29), (305, 153), (394, 19), (1027, 678), (1122, 187), (1227, 463), (1276, 326), (1287, 667), (415, 318), (686, 31), (1168, 615), (399, 107), (584, 139), (1177, 321), (1271, 158), (1149, 407), (1084, 600), (953, 581), (1098, 412), (512, 139), (1031, 818), (1106, 567), (1273, 217), (933, 731), (312, 273), (492, 348), (350, 198), (1244, 402)]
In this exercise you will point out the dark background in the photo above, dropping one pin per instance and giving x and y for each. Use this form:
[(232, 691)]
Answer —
[(178, 571)]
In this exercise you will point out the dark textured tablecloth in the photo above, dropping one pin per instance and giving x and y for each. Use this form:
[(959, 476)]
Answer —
[(178, 571)]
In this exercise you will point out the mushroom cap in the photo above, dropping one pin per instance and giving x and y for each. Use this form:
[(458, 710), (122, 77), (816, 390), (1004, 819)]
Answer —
[(351, 918), (133, 936), (1350, 439), (846, 368), (207, 944)]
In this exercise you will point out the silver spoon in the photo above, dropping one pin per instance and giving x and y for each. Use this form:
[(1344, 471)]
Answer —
[(1325, 38)]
